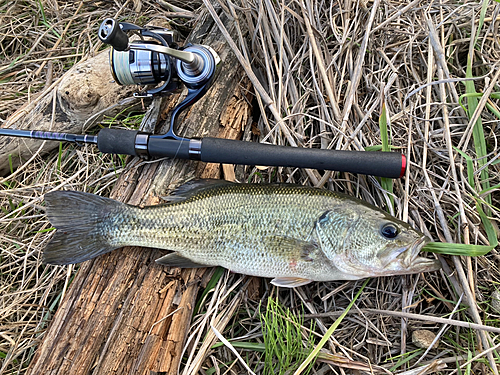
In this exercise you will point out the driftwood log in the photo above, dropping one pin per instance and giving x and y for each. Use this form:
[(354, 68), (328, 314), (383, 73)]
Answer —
[(73, 103), (124, 314)]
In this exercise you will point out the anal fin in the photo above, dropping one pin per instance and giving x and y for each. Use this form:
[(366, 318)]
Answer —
[(176, 260), (290, 282)]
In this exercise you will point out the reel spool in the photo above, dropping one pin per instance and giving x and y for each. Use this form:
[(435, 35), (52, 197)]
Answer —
[(139, 67)]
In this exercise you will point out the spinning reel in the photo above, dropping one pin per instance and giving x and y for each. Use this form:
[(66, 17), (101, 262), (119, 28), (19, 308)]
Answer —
[(156, 60)]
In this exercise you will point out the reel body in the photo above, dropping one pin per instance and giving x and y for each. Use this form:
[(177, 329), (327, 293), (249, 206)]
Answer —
[(158, 60)]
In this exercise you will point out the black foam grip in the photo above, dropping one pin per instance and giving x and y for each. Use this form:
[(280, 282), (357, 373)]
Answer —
[(117, 141), (383, 164), (162, 147)]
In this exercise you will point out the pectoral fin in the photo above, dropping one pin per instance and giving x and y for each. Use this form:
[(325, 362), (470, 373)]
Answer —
[(291, 247), (290, 282), (176, 260)]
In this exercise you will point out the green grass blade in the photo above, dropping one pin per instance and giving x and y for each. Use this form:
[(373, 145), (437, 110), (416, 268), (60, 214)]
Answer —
[(408, 357), (329, 333), (379, 148), (11, 165), (468, 368), (384, 135), (219, 271), (488, 226), (493, 110), (490, 189), (481, 153), (484, 7), (46, 230), (478, 131), (44, 20), (42, 12), (470, 166), (386, 183), (284, 348), (374, 148), (59, 156), (457, 249), (493, 95)]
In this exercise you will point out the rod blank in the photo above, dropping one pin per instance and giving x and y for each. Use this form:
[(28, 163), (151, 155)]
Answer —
[(49, 136)]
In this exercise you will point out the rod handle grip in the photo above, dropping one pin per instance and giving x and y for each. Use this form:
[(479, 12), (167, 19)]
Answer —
[(383, 164), (117, 141)]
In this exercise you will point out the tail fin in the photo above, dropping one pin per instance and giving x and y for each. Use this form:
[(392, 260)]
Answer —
[(79, 219)]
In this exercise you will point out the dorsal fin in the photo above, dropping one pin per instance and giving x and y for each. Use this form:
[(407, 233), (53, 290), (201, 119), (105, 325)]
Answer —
[(193, 187)]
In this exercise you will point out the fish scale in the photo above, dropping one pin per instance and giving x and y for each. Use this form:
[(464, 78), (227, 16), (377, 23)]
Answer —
[(292, 233), (227, 231)]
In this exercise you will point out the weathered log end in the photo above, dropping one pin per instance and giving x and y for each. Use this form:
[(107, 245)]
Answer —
[(79, 99)]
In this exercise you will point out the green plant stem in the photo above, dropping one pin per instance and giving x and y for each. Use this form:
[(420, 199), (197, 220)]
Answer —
[(329, 333)]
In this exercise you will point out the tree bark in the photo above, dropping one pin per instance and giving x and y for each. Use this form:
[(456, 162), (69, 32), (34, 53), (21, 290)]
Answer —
[(124, 314), (72, 104)]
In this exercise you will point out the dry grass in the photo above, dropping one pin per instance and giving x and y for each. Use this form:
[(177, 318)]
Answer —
[(32, 56), (326, 68)]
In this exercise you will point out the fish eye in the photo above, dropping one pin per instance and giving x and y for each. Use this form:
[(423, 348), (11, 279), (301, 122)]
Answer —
[(389, 230)]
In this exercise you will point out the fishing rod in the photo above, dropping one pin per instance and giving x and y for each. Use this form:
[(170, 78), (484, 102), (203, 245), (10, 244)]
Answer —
[(218, 150), (159, 60)]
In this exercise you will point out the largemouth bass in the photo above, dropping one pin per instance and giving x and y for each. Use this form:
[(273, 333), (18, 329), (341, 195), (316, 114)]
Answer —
[(294, 234)]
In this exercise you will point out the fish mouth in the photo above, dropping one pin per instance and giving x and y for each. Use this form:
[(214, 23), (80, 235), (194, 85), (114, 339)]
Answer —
[(412, 262)]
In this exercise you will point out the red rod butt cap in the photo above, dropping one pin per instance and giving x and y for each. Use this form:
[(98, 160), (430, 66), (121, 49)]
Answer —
[(403, 165)]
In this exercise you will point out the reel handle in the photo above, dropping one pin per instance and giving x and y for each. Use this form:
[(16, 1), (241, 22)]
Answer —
[(111, 33)]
